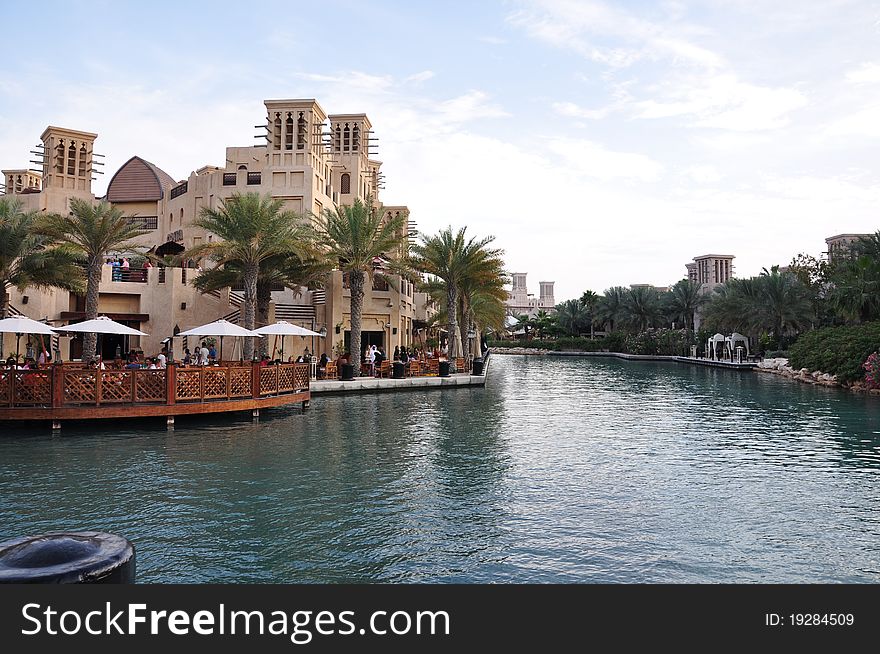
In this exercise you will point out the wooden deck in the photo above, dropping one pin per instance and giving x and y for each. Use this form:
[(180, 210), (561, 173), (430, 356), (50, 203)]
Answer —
[(65, 392)]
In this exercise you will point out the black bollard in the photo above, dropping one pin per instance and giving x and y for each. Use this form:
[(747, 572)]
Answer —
[(444, 368), (397, 370), (347, 372), (84, 557), (478, 366)]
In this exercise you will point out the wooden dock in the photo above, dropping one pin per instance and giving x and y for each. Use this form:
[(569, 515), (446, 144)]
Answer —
[(71, 392)]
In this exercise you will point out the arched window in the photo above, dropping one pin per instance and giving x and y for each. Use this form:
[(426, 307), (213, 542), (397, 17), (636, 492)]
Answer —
[(276, 132), (288, 140), (71, 159), (59, 156), (346, 139), (18, 187), (301, 132), (345, 183), (242, 167), (337, 139), (82, 160), (355, 138)]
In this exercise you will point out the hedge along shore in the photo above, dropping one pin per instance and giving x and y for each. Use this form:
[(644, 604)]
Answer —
[(771, 366)]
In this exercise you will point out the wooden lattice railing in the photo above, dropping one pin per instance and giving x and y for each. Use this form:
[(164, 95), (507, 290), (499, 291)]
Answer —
[(63, 385)]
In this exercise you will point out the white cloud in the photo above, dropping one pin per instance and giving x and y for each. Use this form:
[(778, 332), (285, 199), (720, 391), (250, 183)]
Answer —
[(723, 102), (867, 73), (582, 26), (423, 76), (587, 159), (571, 110)]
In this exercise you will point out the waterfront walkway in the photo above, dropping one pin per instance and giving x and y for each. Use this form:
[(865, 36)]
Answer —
[(372, 384)]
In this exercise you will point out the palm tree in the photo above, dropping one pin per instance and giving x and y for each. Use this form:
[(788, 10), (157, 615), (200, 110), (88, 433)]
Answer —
[(856, 291), (543, 322), (298, 267), (684, 299), (354, 238), (610, 307), (642, 308), (483, 285), (786, 305), (92, 232), (524, 323), (589, 300), (253, 230), (27, 259), (573, 317), (457, 261)]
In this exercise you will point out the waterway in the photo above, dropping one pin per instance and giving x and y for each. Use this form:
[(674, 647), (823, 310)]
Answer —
[(559, 470)]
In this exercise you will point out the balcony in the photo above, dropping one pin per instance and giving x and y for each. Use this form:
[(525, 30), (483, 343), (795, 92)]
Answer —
[(178, 190), (144, 222), (134, 275)]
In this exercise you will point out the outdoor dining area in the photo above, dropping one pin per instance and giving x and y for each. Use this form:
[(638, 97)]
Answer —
[(44, 387)]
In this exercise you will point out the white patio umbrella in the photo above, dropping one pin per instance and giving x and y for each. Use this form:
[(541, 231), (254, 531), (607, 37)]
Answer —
[(101, 325), (19, 325), (283, 328), (219, 328)]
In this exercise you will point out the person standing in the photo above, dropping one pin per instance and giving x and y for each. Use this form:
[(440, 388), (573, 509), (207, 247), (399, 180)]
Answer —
[(162, 359), (203, 354)]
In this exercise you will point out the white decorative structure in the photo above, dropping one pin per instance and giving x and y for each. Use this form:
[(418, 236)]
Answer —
[(731, 342), (712, 346)]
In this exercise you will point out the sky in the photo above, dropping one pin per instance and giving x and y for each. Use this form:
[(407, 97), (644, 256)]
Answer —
[(600, 143)]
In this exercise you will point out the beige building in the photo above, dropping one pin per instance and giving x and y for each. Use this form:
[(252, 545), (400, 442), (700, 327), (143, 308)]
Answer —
[(710, 270), (520, 301), (310, 160), (841, 244)]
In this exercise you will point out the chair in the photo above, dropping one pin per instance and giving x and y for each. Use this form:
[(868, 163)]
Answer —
[(331, 372), (415, 368), (460, 365), (433, 367), (385, 369)]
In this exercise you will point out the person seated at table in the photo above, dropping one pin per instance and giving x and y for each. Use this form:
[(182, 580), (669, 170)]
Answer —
[(396, 353), (377, 361), (95, 364), (212, 353), (132, 365), (404, 356), (187, 356), (264, 360)]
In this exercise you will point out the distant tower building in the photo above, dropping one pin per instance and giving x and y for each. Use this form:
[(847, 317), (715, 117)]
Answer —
[(546, 296), (709, 271), (520, 301), (841, 245)]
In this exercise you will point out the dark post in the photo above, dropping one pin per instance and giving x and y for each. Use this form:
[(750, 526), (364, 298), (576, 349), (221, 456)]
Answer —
[(57, 385), (85, 557), (255, 380), (170, 384)]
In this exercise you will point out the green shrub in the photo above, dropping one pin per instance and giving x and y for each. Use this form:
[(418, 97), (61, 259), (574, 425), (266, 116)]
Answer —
[(837, 351)]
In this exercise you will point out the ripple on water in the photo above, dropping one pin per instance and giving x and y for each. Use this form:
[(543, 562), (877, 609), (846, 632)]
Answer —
[(560, 470)]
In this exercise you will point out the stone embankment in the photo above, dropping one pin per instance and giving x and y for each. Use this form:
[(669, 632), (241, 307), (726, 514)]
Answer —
[(781, 367), (518, 350)]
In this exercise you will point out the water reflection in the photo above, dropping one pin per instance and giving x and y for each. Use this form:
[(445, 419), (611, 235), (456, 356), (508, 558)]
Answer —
[(559, 470)]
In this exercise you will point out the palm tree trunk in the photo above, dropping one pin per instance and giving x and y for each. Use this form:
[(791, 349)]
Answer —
[(251, 272), (356, 283), (93, 287), (264, 297), (4, 302), (451, 313), (465, 323)]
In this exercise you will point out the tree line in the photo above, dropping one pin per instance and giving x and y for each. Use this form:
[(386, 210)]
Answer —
[(260, 244)]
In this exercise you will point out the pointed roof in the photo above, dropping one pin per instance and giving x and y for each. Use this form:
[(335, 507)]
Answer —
[(139, 181)]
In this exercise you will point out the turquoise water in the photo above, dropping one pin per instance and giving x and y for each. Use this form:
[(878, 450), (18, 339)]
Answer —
[(560, 470)]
